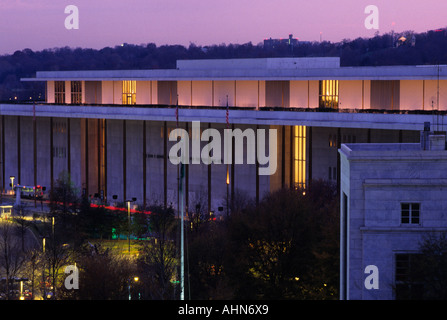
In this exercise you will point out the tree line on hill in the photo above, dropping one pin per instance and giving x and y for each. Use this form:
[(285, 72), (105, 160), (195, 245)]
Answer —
[(406, 48)]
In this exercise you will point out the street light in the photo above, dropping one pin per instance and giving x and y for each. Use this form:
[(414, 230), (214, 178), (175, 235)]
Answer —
[(52, 226), (135, 279), (228, 185), (43, 270), (128, 220), (21, 290), (12, 183)]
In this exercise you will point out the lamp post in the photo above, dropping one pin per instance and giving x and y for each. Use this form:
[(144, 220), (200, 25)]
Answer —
[(128, 221), (12, 183), (129, 281), (43, 271), (21, 290), (128, 224), (182, 244), (52, 226), (228, 185)]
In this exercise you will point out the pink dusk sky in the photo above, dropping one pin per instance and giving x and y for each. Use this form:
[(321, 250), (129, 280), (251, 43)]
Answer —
[(39, 24)]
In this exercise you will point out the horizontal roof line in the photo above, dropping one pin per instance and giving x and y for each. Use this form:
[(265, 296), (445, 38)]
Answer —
[(240, 116), (336, 73)]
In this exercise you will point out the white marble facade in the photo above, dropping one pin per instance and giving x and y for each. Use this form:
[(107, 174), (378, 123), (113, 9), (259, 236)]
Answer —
[(376, 179)]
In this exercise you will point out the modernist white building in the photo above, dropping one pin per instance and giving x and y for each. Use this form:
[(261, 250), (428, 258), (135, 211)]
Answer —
[(110, 129), (391, 196)]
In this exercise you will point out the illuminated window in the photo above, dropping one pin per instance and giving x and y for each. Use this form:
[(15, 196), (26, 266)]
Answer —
[(333, 141), (129, 92), (328, 94), (76, 92), (299, 165), (59, 91)]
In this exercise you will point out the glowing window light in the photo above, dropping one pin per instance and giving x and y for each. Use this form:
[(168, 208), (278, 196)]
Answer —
[(299, 165), (129, 92), (76, 92), (59, 92), (328, 96)]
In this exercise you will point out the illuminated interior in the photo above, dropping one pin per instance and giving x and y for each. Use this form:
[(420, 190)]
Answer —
[(129, 92), (76, 92), (329, 94), (59, 92), (299, 165)]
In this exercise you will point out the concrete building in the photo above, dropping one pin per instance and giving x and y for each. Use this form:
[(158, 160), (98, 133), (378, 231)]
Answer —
[(391, 196), (272, 43), (110, 128)]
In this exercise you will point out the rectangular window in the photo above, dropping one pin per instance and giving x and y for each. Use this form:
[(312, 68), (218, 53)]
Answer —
[(299, 165), (385, 94), (328, 96), (277, 93), (409, 270), (333, 141), (59, 126), (59, 92), (129, 92), (59, 152), (410, 213), (76, 92)]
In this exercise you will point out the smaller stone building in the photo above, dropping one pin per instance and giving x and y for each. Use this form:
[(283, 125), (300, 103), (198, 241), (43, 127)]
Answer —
[(391, 196)]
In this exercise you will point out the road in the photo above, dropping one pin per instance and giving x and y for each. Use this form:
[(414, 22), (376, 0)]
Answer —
[(31, 207), (14, 230)]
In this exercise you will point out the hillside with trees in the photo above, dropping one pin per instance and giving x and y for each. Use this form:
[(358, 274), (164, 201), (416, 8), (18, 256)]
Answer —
[(406, 48)]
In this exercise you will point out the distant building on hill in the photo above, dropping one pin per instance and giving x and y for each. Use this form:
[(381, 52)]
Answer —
[(272, 43)]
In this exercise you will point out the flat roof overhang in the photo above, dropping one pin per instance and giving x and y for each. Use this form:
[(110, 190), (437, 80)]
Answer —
[(351, 119), (341, 73)]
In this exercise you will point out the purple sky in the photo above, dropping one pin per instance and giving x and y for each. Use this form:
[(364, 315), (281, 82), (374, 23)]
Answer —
[(39, 24)]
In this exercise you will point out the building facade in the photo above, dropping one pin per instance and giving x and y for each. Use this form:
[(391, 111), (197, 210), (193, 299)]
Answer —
[(392, 196), (110, 129)]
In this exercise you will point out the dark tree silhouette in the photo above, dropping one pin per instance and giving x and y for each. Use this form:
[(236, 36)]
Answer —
[(429, 48)]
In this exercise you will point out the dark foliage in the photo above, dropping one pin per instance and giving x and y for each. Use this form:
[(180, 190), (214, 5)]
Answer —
[(430, 48), (157, 264), (284, 248)]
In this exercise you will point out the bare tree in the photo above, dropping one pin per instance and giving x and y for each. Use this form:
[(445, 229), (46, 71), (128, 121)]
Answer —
[(55, 257), (197, 212), (432, 266), (11, 256), (158, 261), (20, 220), (103, 275), (31, 267)]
